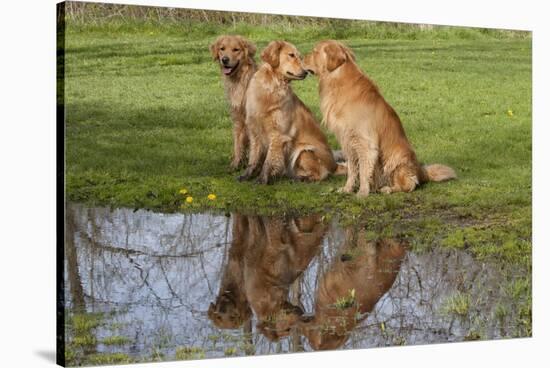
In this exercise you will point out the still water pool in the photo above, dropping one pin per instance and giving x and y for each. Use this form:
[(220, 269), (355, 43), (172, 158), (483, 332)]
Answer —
[(144, 286)]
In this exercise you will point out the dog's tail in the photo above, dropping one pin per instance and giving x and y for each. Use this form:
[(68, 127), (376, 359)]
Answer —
[(341, 168), (436, 172)]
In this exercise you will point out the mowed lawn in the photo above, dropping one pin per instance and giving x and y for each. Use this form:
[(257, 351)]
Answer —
[(146, 116)]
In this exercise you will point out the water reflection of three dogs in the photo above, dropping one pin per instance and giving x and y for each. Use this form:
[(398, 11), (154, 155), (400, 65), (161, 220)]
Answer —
[(268, 255)]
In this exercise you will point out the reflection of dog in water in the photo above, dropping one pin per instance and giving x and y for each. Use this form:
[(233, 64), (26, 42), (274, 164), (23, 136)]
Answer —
[(231, 308), (266, 256), (350, 289), (280, 251)]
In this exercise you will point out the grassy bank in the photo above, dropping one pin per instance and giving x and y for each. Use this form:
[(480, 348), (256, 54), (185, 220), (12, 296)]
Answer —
[(146, 116)]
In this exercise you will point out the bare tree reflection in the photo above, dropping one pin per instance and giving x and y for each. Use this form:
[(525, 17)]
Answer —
[(258, 285), (73, 273)]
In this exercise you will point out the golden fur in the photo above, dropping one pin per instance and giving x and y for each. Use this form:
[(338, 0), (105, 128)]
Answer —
[(231, 308), (266, 256), (365, 271), (284, 136), (280, 250), (367, 127), (235, 56)]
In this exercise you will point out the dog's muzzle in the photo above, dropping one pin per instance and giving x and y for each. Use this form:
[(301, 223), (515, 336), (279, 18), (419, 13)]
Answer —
[(226, 69), (298, 76)]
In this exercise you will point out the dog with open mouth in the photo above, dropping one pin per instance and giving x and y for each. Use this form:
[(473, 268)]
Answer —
[(235, 56), (285, 138)]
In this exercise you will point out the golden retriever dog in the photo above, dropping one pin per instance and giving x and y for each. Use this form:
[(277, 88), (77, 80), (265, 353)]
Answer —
[(367, 127), (284, 136), (280, 250), (350, 289), (235, 56), (231, 308)]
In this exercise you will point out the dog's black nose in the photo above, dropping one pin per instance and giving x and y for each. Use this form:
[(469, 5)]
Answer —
[(225, 59)]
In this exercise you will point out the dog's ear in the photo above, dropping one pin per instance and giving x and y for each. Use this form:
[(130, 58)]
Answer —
[(214, 48), (349, 54), (337, 55), (271, 53), (248, 46)]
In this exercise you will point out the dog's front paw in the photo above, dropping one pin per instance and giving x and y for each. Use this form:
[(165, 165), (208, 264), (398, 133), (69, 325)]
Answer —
[(363, 192), (345, 189), (264, 180), (385, 190), (234, 165)]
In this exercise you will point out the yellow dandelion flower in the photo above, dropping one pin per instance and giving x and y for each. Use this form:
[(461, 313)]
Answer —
[(189, 199), (510, 112), (212, 197), (183, 191)]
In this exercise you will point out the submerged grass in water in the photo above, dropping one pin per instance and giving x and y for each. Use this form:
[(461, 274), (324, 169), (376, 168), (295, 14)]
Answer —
[(458, 304), (188, 353), (346, 301), (116, 340)]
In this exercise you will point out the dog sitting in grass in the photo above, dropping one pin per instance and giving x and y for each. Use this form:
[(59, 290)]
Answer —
[(369, 130), (235, 56), (284, 137)]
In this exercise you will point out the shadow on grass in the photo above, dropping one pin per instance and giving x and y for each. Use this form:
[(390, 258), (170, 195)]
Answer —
[(152, 140)]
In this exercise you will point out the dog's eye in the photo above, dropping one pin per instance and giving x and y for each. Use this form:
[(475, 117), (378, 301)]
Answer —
[(235, 50), (291, 55), (222, 48)]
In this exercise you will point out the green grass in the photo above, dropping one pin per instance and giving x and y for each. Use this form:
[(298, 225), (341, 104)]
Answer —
[(85, 322), (346, 301), (81, 341), (189, 353), (146, 116), (458, 304), (116, 340), (81, 335), (230, 351), (108, 359)]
